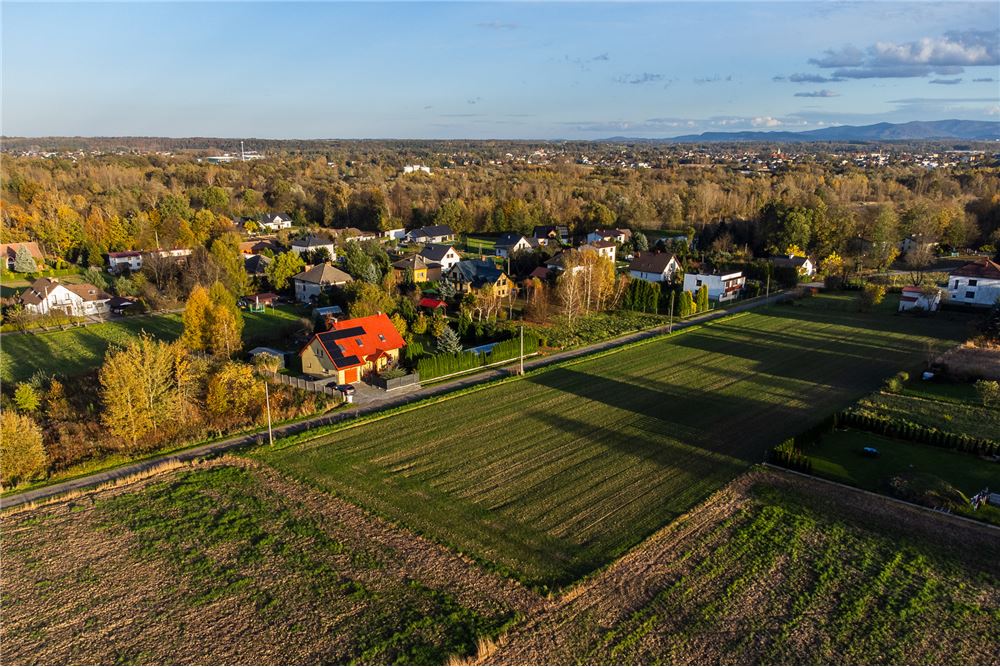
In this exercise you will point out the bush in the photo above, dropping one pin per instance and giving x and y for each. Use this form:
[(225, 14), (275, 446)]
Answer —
[(440, 365), (895, 384), (21, 449)]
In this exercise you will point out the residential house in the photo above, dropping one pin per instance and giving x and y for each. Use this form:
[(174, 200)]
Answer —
[(48, 294), (274, 221), (445, 256), (920, 298), (256, 265), (976, 283), (346, 234), (352, 348), (414, 263), (310, 243), (619, 236), (393, 234), (605, 249), (432, 305), (803, 265), (318, 279), (722, 285), (551, 235), (541, 272), (914, 242), (656, 267), (509, 244), (258, 246), (128, 260), (470, 274), (9, 252), (432, 234)]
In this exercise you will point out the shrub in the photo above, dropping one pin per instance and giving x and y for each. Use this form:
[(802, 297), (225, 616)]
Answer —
[(21, 449)]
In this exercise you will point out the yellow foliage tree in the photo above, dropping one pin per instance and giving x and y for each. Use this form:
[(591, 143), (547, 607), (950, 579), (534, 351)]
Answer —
[(196, 314), (21, 451), (234, 393)]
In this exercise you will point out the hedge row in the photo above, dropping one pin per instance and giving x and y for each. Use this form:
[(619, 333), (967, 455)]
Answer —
[(439, 365), (907, 430), (787, 455)]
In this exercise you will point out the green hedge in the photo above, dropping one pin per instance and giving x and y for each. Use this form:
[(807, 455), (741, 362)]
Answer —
[(906, 430), (439, 365), (788, 455)]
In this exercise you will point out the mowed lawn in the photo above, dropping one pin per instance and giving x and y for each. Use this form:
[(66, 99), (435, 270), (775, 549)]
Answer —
[(80, 350), (554, 475)]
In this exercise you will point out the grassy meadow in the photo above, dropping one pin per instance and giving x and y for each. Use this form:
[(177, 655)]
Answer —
[(552, 476), (80, 350)]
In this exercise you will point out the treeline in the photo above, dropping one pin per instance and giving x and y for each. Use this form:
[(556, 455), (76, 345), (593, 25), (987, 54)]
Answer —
[(80, 210)]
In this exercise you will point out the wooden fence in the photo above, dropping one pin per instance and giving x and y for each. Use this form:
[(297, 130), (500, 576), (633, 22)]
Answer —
[(308, 385)]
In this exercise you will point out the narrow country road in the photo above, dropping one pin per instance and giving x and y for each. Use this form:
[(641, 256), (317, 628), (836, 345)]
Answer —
[(390, 401)]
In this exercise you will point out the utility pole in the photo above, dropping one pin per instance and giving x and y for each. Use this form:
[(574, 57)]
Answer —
[(670, 326), (767, 296), (522, 351), (267, 398), (157, 235)]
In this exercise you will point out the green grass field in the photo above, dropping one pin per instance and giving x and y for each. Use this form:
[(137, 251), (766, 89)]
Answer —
[(554, 475), (784, 572), (81, 350)]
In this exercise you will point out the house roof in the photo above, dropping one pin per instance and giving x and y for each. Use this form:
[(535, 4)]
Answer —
[(414, 262), (256, 264), (125, 254), (88, 292), (35, 293), (312, 240), (597, 245), (545, 231), (435, 252), (650, 262), (508, 239), (274, 217), (352, 342), (433, 230), (542, 273), (428, 302), (611, 233), (785, 260), (982, 269), (9, 250), (254, 247), (323, 274), (477, 272), (263, 296)]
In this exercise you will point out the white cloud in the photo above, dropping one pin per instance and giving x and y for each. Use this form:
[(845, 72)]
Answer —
[(765, 121)]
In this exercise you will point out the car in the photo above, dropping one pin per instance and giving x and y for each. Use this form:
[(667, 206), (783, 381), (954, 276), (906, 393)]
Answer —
[(870, 452), (346, 389)]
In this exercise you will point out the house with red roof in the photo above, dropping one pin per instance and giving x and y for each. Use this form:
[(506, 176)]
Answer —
[(352, 348), (975, 283)]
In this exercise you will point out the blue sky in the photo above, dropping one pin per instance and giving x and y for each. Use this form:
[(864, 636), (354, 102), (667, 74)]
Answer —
[(491, 70)]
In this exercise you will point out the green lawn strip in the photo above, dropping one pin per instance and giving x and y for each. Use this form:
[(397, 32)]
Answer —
[(838, 457), (554, 475), (81, 350), (970, 417)]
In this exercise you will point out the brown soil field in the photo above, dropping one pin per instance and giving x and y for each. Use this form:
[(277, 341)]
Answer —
[(780, 569), (229, 562)]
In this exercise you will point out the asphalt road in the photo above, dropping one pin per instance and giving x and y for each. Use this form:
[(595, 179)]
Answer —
[(388, 401)]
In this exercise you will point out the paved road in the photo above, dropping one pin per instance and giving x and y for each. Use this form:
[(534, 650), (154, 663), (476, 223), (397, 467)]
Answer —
[(389, 400)]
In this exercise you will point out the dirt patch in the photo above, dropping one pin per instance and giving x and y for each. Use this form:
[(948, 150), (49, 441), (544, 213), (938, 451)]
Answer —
[(228, 562)]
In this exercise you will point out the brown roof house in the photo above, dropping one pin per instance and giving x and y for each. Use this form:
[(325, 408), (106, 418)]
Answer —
[(321, 278), (46, 295)]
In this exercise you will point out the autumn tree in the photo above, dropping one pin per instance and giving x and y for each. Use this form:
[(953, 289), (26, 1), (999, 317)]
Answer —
[(701, 299), (227, 255), (225, 322), (284, 266), (21, 449), (364, 299), (195, 318), (234, 393), (26, 398)]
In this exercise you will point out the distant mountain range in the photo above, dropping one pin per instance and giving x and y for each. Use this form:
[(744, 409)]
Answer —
[(975, 130)]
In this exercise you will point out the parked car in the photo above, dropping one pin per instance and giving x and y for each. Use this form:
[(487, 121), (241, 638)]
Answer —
[(870, 452)]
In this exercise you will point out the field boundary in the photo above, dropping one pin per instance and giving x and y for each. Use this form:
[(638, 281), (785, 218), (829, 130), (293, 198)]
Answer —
[(857, 489)]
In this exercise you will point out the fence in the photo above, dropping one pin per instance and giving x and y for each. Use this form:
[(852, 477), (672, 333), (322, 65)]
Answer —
[(299, 383), (397, 383)]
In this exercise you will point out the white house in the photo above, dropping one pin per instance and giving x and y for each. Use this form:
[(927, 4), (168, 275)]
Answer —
[(414, 168), (655, 267), (803, 265), (606, 249), (438, 253), (354, 234), (313, 242), (617, 235), (129, 259), (922, 298), (275, 221), (721, 286), (46, 295), (509, 244), (313, 281), (394, 234), (432, 234), (975, 283)]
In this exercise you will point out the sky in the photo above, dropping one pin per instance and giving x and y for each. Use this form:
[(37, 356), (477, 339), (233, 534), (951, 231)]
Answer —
[(478, 70)]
